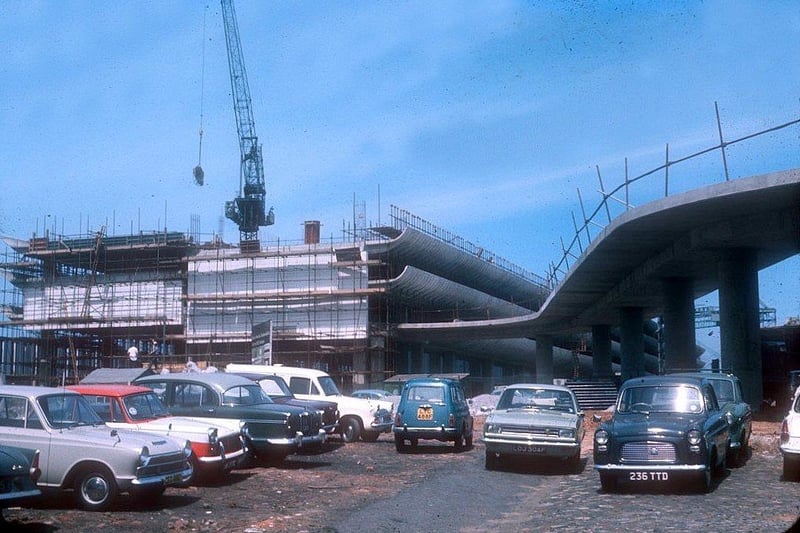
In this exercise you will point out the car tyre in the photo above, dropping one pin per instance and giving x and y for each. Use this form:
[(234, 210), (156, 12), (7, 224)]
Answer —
[(95, 488), (791, 470), (704, 481), (400, 444), (370, 436), (459, 442), (608, 482), (492, 461), (351, 430)]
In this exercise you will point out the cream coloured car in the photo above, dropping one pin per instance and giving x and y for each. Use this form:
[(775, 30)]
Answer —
[(790, 440), (80, 453)]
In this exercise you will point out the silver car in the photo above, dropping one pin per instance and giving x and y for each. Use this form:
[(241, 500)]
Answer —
[(80, 453), (533, 420)]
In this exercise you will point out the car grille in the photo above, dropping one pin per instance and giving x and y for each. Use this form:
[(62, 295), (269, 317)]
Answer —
[(310, 422), (648, 452), (232, 443), (162, 464), (527, 431)]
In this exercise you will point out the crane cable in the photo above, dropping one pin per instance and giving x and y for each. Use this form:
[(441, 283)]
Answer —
[(198, 173)]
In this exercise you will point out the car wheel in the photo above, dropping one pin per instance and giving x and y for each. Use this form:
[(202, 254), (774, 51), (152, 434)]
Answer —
[(704, 481), (791, 470), (459, 442), (370, 436), (608, 482), (400, 444), (720, 468), (351, 430), (492, 460), (95, 488)]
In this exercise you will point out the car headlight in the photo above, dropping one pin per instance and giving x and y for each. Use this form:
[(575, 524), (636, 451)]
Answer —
[(601, 437), (144, 456), (492, 428), (694, 437), (566, 433), (213, 436)]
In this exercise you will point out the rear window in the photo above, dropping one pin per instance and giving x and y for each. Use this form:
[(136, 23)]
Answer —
[(426, 393)]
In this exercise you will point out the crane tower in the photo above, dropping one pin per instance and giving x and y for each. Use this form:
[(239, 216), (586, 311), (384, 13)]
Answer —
[(248, 209)]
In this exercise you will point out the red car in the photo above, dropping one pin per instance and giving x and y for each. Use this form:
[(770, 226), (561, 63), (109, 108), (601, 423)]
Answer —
[(217, 444)]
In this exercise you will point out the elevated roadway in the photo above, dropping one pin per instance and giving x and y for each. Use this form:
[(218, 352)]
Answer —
[(655, 261)]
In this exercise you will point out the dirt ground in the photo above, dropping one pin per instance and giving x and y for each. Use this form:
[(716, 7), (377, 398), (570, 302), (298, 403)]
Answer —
[(306, 493)]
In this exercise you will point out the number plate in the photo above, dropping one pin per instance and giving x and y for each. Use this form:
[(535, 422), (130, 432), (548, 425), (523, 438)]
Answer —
[(173, 479), (648, 476), (522, 448), (425, 413)]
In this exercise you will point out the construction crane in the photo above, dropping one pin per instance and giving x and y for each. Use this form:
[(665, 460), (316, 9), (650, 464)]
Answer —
[(248, 209)]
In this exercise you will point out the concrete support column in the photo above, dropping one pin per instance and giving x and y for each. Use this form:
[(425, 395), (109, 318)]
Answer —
[(679, 333), (601, 352), (631, 342), (740, 334), (544, 359)]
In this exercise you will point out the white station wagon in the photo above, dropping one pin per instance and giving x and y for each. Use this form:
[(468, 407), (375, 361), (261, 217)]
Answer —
[(790, 440), (80, 453)]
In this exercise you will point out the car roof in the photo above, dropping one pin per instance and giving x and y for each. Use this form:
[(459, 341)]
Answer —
[(221, 380), (707, 375), (669, 379), (431, 381), (274, 369), (537, 386), (32, 391), (117, 391)]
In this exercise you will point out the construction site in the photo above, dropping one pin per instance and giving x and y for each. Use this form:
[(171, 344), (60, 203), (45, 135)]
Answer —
[(73, 304)]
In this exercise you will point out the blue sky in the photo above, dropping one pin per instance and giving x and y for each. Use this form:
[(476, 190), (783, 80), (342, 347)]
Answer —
[(483, 117)]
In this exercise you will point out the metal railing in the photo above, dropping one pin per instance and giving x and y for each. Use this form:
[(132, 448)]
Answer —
[(575, 249)]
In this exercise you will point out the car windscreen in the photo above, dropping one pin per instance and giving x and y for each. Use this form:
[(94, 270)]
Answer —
[(68, 410), (676, 398), (547, 399), (329, 388), (144, 406), (245, 395)]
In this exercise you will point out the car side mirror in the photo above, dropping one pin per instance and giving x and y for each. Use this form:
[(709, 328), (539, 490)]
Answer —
[(597, 418)]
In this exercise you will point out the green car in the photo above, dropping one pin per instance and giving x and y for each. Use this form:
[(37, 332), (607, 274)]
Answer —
[(434, 409)]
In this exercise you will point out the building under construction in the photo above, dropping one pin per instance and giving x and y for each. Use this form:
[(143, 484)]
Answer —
[(77, 304)]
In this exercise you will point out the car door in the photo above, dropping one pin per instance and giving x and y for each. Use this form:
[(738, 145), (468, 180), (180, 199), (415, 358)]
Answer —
[(716, 426), (21, 426)]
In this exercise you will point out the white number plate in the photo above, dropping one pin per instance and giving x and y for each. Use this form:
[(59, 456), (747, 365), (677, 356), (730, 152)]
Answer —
[(648, 476)]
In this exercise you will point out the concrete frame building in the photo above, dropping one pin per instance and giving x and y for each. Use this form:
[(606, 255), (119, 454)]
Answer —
[(103, 301)]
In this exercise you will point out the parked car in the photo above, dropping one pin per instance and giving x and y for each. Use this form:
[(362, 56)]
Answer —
[(371, 394), (217, 448), (279, 392), (272, 431), (790, 440), (728, 389), (19, 471), (534, 420), (663, 428), (78, 452), (435, 409), (358, 418)]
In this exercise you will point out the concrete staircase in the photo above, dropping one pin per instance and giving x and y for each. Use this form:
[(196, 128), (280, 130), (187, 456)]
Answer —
[(595, 395)]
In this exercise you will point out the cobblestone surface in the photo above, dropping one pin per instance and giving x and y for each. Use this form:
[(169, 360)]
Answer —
[(370, 487)]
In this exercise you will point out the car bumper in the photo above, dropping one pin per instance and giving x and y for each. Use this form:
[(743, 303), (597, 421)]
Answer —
[(381, 427), (310, 441), (532, 447), (437, 433), (225, 462), (173, 479), (649, 468)]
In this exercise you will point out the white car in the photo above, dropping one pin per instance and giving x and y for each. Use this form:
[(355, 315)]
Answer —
[(790, 440), (78, 452), (358, 417), (217, 447)]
